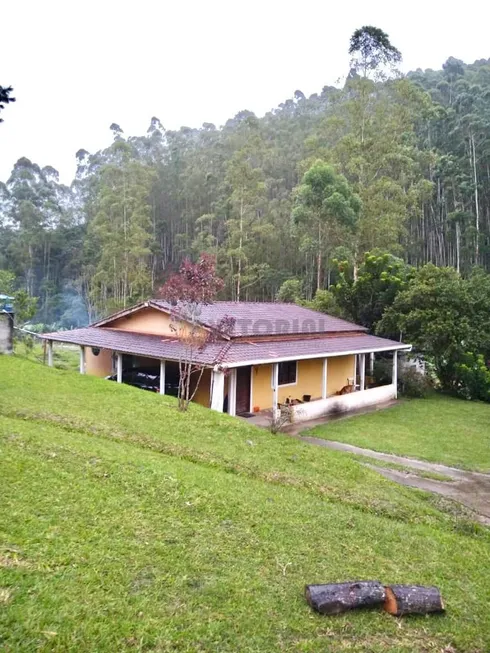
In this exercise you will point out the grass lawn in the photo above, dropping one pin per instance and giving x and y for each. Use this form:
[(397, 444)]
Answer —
[(65, 356), (439, 429), (127, 526)]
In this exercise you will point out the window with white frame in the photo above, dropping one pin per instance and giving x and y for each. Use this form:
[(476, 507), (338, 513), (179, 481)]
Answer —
[(287, 373)]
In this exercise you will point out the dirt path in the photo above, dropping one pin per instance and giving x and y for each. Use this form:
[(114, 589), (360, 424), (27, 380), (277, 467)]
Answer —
[(472, 489)]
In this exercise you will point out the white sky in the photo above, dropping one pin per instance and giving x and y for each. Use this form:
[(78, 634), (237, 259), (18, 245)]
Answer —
[(76, 67)]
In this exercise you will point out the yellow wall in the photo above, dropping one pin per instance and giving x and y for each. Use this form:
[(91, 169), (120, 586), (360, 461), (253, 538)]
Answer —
[(202, 395), (308, 382), (340, 368), (100, 365), (146, 320)]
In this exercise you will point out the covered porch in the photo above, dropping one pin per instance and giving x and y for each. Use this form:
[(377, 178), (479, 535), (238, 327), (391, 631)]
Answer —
[(305, 389)]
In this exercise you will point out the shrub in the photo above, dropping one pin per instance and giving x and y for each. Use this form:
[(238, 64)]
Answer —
[(412, 383), (473, 378)]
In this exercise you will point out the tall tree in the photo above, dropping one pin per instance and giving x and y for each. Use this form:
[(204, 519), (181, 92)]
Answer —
[(5, 97), (119, 236), (370, 49), (326, 210)]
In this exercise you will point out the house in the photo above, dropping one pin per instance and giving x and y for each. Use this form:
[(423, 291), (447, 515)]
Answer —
[(277, 354)]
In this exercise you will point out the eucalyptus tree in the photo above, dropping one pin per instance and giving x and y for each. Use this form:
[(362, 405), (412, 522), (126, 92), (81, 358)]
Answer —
[(371, 50), (326, 210), (5, 97)]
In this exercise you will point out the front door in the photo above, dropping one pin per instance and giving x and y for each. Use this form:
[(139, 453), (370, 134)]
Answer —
[(243, 389)]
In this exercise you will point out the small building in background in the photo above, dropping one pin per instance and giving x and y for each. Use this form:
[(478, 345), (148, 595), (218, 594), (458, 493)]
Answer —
[(6, 324)]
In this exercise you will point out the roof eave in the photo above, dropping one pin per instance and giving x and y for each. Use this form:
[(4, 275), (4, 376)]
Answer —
[(281, 359)]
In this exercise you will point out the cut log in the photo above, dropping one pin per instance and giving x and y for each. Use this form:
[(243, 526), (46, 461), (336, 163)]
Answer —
[(335, 598), (412, 599)]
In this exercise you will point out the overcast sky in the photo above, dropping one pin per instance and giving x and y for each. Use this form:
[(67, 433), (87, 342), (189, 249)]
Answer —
[(78, 67)]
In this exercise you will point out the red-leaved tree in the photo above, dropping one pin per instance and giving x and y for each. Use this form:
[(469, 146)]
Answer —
[(195, 285)]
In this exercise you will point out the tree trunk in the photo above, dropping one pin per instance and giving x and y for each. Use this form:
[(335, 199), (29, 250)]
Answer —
[(319, 259), (239, 273), (412, 599), (335, 598), (477, 203)]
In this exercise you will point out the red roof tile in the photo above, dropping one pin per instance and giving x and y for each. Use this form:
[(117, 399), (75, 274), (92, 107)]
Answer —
[(268, 318), (228, 353)]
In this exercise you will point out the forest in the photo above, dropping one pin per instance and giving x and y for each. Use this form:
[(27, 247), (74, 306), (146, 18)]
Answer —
[(402, 163)]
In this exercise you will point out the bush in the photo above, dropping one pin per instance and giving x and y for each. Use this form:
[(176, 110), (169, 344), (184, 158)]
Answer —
[(412, 383), (383, 371), (473, 378)]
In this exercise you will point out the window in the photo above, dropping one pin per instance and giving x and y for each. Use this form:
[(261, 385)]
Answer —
[(287, 373)]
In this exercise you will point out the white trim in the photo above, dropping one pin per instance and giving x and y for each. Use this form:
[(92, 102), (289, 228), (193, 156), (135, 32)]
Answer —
[(82, 359), (264, 361), (283, 385), (119, 367), (342, 403), (324, 378), (394, 378), (362, 372), (232, 393), (251, 388), (275, 388), (162, 377), (218, 391)]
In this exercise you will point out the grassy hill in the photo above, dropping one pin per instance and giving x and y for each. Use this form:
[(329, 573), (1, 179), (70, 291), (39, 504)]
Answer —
[(127, 526)]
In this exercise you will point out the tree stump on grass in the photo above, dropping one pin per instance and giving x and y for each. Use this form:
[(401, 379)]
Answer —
[(412, 599), (335, 598)]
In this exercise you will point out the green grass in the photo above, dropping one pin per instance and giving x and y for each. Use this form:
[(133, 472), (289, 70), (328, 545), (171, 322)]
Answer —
[(127, 526), (438, 429), (65, 356)]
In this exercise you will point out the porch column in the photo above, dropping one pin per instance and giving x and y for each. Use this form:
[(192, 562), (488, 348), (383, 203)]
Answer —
[(232, 392), (371, 364), (119, 367), (162, 377), (82, 359), (362, 365), (394, 377), (355, 371), (217, 390), (50, 353), (324, 378), (275, 383)]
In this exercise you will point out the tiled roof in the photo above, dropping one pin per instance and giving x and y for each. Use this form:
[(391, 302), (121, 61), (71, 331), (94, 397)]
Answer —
[(141, 344), (268, 318), (315, 347), (226, 353)]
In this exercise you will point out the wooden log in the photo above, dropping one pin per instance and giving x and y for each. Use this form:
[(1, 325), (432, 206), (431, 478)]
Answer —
[(335, 598), (412, 599)]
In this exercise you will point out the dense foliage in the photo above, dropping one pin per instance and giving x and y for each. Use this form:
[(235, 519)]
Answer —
[(408, 159)]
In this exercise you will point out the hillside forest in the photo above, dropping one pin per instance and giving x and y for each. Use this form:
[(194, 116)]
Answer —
[(288, 203)]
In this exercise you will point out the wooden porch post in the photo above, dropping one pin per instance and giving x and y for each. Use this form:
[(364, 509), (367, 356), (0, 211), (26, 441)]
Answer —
[(119, 367), (217, 390), (324, 378), (82, 359), (394, 377), (275, 383), (162, 377), (50, 353), (232, 392), (362, 365)]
